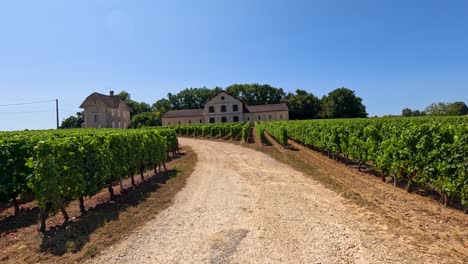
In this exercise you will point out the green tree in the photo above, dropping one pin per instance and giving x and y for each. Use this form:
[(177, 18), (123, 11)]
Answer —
[(162, 105), (447, 109), (135, 107), (257, 94), (342, 103), (191, 98), (125, 96), (409, 112), (146, 119), (457, 108), (73, 121), (302, 105)]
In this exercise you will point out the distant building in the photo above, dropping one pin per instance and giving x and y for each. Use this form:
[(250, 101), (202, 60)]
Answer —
[(105, 111), (225, 107)]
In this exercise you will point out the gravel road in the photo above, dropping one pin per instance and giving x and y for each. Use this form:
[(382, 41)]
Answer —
[(242, 206)]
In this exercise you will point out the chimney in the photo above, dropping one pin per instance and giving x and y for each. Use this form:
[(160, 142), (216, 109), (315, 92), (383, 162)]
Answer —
[(111, 93)]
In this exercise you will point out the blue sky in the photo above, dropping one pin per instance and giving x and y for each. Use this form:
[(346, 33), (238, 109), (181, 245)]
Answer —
[(394, 54)]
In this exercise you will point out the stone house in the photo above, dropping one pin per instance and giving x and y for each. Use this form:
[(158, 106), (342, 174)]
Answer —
[(225, 107), (105, 111)]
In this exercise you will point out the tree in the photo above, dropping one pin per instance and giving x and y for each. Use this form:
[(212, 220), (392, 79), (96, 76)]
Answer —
[(457, 108), (437, 109), (191, 98), (409, 112), (73, 121), (342, 103), (125, 96), (135, 107), (256, 94), (302, 105), (146, 119), (162, 105), (447, 109)]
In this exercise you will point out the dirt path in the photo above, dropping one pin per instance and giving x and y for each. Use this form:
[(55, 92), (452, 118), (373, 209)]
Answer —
[(242, 206)]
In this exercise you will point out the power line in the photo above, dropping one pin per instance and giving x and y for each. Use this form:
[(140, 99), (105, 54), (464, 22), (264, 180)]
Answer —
[(28, 112), (38, 102)]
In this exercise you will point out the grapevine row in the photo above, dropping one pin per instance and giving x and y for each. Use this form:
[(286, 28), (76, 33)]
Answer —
[(59, 166), (223, 130), (426, 152)]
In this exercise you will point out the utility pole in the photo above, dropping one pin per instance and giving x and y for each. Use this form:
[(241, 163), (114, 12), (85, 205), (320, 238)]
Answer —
[(57, 112)]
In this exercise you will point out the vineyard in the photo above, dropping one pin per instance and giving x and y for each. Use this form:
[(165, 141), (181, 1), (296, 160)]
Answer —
[(224, 131), (430, 153), (64, 165)]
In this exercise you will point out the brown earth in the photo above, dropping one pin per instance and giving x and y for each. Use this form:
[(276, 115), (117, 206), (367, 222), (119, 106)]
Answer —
[(243, 206)]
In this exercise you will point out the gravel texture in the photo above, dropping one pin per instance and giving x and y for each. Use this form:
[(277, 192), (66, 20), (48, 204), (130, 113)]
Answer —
[(242, 206)]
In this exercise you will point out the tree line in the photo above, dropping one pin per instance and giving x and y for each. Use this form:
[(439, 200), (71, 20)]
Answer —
[(339, 103), (439, 109)]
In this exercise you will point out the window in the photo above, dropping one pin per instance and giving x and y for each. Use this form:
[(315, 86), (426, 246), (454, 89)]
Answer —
[(222, 97), (212, 120), (235, 108), (223, 108), (248, 118), (258, 117), (281, 116), (270, 116), (211, 109), (169, 123), (96, 118), (236, 119), (223, 119), (201, 121), (179, 122), (190, 121)]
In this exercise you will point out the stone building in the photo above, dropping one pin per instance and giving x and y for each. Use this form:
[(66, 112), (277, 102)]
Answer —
[(105, 111), (225, 107)]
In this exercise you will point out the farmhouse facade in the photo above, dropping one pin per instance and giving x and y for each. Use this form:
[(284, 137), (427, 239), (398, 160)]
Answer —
[(105, 111), (225, 107)]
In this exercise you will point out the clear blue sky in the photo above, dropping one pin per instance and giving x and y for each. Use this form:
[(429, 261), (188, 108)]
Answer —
[(394, 54)]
